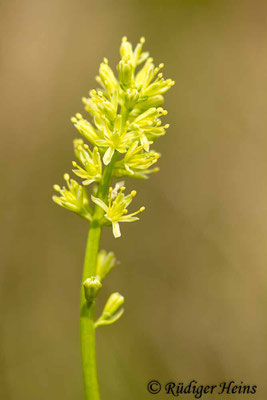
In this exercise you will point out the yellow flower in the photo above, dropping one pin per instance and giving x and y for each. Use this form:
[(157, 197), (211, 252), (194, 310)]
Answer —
[(73, 198), (116, 210), (91, 160)]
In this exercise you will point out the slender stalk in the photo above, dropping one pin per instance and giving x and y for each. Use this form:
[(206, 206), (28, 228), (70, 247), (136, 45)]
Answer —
[(88, 350)]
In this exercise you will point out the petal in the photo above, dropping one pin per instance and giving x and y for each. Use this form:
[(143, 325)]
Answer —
[(128, 219), (108, 155), (88, 181), (100, 203), (144, 142), (101, 142), (116, 229), (128, 169)]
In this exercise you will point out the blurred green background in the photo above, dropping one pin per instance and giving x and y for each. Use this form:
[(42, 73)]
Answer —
[(193, 270)]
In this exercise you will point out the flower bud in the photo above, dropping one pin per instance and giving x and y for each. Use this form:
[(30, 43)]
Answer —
[(125, 70), (159, 87), (126, 49), (131, 97), (105, 263), (114, 303), (112, 311), (91, 288), (107, 77), (146, 103)]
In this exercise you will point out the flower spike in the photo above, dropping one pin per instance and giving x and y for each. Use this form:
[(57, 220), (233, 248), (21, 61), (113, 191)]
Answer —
[(124, 120)]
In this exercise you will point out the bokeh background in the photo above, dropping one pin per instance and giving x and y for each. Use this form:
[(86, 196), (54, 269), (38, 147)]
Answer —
[(194, 269)]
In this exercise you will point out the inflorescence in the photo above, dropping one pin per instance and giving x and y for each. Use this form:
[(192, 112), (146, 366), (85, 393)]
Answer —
[(125, 121)]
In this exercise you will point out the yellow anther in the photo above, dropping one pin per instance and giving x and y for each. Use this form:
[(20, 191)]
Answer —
[(66, 177), (133, 193), (105, 60), (142, 40), (57, 188), (142, 208), (126, 59)]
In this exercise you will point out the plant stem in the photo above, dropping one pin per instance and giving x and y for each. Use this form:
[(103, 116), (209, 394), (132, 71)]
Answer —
[(88, 350)]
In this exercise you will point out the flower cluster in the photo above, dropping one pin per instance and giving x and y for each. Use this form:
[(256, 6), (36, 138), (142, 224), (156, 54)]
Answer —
[(126, 114)]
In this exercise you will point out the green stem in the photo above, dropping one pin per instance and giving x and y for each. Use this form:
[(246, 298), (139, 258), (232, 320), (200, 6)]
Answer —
[(88, 350)]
